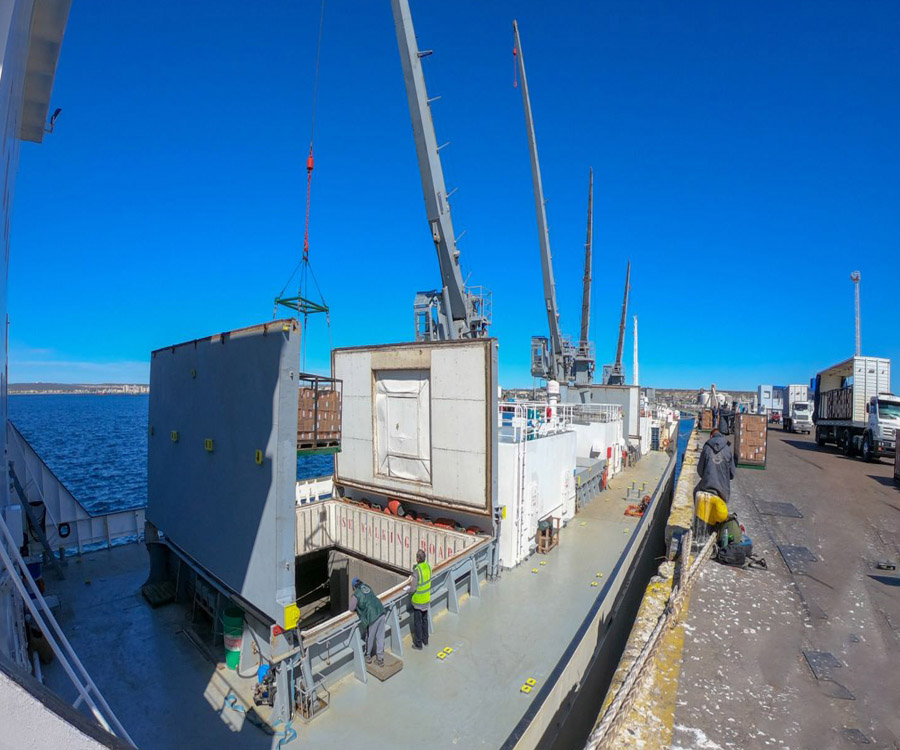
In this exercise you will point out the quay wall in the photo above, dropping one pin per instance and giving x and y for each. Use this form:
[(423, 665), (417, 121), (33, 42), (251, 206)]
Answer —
[(643, 725)]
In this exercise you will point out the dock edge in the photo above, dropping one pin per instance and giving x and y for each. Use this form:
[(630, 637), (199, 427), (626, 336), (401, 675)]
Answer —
[(648, 716)]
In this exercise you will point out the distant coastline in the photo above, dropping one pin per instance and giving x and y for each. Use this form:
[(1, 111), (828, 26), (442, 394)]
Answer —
[(78, 389)]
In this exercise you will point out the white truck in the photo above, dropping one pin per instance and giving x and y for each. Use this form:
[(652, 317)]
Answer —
[(855, 409), (796, 416)]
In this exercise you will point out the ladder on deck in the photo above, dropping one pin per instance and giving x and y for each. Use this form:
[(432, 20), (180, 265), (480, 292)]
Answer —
[(51, 630)]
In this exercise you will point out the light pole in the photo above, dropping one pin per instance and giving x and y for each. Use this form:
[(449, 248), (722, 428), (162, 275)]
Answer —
[(854, 277)]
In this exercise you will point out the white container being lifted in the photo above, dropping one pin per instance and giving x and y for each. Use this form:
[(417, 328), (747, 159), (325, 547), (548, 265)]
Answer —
[(855, 409)]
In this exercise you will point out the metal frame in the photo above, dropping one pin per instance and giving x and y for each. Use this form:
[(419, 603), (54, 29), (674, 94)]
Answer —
[(331, 385), (301, 305)]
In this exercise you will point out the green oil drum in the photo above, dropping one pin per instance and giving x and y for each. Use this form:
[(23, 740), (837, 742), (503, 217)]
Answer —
[(233, 632)]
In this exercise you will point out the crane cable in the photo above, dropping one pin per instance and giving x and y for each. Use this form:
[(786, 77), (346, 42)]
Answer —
[(310, 164), (303, 265)]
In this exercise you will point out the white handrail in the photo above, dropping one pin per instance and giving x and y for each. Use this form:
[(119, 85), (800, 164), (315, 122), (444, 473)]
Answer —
[(524, 420), (66, 655)]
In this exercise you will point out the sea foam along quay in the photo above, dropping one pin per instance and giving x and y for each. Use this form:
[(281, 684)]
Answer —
[(801, 655)]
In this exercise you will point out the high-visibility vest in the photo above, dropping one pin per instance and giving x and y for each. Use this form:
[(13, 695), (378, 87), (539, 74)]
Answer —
[(423, 590)]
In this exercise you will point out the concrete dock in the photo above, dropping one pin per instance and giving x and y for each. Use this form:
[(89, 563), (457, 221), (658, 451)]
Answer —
[(805, 654)]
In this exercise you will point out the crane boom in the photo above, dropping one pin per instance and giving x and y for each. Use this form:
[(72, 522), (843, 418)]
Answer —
[(556, 368), (617, 376), (586, 293), (461, 315)]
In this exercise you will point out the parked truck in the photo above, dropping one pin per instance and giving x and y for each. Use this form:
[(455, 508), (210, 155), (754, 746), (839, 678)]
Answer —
[(855, 410), (796, 413)]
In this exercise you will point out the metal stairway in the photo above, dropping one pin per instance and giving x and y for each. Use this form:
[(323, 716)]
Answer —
[(88, 692)]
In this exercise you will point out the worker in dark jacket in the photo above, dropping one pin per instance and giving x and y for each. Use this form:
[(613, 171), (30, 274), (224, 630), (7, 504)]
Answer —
[(716, 466), (372, 616)]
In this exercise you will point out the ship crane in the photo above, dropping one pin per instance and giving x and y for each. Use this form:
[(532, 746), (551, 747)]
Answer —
[(453, 311), (616, 374), (553, 358), (584, 357)]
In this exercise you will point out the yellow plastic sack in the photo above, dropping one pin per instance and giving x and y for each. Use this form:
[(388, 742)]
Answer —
[(711, 508)]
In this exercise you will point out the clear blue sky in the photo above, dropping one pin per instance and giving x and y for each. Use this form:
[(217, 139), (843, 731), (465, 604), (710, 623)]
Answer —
[(746, 158)]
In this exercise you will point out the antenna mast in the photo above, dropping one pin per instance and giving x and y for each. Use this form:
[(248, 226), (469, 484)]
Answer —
[(855, 277)]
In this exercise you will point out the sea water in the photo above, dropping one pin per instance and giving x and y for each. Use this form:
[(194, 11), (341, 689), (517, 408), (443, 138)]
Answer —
[(97, 446)]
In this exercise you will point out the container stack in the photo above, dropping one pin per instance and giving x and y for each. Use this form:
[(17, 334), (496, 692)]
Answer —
[(750, 439)]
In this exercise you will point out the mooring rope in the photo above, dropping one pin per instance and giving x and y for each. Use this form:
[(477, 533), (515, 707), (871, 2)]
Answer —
[(618, 710)]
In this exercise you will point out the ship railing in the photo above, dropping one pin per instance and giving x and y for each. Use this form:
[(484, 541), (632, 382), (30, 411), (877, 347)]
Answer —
[(37, 606), (68, 524), (595, 412), (528, 420), (321, 646), (314, 490)]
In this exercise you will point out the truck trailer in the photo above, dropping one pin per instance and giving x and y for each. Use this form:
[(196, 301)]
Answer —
[(855, 410), (796, 414)]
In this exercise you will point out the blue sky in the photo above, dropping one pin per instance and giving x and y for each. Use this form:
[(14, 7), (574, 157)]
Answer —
[(746, 159)]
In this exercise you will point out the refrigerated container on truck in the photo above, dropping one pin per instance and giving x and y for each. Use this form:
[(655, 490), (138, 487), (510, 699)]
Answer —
[(796, 414), (855, 409)]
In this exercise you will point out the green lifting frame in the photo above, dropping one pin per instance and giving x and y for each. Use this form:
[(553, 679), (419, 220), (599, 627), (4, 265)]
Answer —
[(301, 305)]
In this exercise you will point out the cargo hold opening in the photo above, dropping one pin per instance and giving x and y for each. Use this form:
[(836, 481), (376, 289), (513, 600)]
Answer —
[(323, 582)]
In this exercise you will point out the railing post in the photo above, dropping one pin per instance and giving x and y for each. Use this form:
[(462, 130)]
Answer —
[(474, 584), (396, 638), (359, 659), (452, 596)]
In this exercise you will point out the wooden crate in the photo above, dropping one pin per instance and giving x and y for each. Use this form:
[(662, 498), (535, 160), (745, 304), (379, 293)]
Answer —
[(548, 538), (750, 439)]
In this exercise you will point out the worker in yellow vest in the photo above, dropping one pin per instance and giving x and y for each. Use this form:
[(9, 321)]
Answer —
[(420, 583)]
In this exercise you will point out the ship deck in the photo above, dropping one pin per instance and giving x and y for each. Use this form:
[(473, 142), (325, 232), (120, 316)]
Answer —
[(169, 694)]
